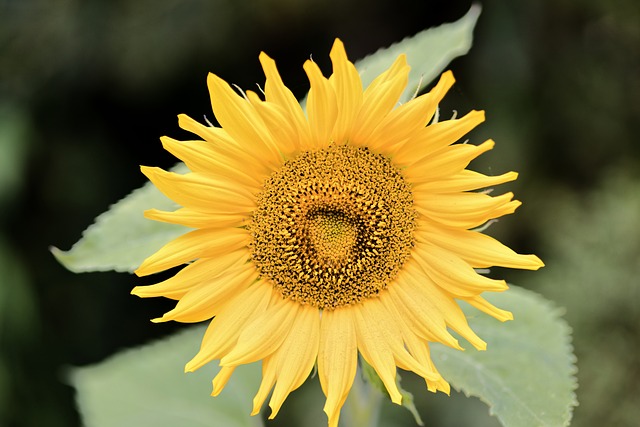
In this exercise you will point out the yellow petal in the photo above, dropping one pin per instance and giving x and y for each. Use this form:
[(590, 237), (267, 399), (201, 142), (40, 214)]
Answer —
[(418, 348), (432, 138), (204, 301), (221, 379), (452, 274), (279, 124), (201, 192), (447, 161), (485, 306), (264, 334), (279, 94), (193, 274), (403, 122), (204, 157), (373, 344), (465, 180), (268, 380), (348, 88), (212, 134), (241, 121), (464, 210), (296, 356), (380, 331), (224, 329), (322, 106), (239, 155), (205, 243), (419, 310), (196, 219), (337, 359), (421, 287), (379, 99), (399, 69), (479, 250)]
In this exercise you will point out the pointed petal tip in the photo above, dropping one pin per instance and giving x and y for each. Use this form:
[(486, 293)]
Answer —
[(537, 261), (274, 412), (337, 50), (480, 114), (488, 144), (183, 119), (191, 366), (152, 172), (215, 83), (143, 269), (265, 60), (166, 140), (529, 262), (446, 388), (220, 381), (402, 60), (448, 77), (396, 397), (139, 271)]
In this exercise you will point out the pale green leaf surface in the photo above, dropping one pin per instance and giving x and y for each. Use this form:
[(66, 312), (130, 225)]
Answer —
[(428, 53), (147, 386), (527, 374), (121, 238)]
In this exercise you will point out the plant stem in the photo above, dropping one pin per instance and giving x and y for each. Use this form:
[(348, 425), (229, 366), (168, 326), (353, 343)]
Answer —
[(362, 408)]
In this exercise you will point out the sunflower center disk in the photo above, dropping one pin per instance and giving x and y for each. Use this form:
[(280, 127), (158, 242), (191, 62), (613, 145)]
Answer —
[(332, 235), (333, 227)]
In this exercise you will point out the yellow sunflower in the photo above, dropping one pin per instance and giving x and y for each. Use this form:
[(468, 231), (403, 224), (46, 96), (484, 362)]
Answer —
[(318, 236)]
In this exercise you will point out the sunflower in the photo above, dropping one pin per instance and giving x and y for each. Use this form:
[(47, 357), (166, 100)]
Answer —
[(349, 229)]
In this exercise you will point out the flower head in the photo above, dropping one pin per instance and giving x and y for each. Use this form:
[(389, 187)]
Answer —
[(318, 236)]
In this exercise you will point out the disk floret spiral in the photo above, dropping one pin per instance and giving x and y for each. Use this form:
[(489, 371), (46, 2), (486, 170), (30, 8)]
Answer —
[(333, 226)]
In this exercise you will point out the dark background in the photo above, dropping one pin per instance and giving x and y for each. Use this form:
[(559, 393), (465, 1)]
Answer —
[(88, 87)]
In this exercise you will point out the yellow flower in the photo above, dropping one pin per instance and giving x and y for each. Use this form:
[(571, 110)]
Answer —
[(318, 236)]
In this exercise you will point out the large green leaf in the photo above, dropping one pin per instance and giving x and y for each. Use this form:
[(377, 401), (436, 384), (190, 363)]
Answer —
[(148, 387), (121, 238), (527, 374), (428, 52)]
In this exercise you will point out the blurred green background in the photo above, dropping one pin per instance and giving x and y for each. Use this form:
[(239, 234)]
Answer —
[(87, 87)]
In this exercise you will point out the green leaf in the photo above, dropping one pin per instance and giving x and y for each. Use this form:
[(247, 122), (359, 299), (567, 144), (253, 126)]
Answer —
[(121, 238), (428, 53), (148, 387), (408, 402), (527, 374)]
